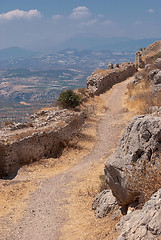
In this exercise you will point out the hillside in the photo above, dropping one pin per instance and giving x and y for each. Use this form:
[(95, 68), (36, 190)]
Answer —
[(52, 198), (14, 52)]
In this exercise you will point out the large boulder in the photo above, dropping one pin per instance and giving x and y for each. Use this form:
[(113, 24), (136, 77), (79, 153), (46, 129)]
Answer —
[(144, 224), (140, 142)]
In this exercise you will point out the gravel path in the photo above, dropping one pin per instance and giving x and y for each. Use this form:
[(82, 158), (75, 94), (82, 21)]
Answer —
[(44, 215)]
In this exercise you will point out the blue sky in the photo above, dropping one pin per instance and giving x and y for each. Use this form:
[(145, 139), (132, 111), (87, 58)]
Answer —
[(40, 24)]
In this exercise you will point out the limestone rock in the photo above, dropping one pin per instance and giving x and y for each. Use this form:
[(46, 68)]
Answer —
[(104, 203), (116, 65), (152, 74), (110, 66), (157, 63), (147, 66), (157, 82), (144, 224), (140, 141)]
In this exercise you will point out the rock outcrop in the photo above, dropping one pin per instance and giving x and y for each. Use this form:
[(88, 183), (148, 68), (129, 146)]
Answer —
[(141, 141), (157, 63), (102, 80), (155, 77), (110, 66), (144, 224), (152, 74), (104, 203), (44, 136), (157, 82)]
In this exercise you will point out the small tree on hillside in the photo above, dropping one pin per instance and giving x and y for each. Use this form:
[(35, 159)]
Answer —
[(69, 99)]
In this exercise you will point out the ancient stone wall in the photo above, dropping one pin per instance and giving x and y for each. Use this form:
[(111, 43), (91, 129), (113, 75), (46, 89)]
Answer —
[(39, 142), (139, 63), (102, 80)]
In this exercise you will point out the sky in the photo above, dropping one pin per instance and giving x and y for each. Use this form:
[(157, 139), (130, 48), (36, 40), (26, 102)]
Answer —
[(43, 24)]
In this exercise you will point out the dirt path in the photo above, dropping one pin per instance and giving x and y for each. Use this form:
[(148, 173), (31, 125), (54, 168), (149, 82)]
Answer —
[(45, 215)]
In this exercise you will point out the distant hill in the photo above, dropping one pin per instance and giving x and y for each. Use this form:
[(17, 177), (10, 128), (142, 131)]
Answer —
[(94, 43), (133, 45), (14, 52)]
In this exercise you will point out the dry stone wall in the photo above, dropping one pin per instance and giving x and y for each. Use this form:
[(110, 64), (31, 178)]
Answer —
[(49, 131), (102, 80)]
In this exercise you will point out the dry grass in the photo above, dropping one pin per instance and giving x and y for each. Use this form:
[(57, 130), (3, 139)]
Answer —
[(145, 180), (103, 183), (82, 223), (13, 193), (139, 97), (12, 201)]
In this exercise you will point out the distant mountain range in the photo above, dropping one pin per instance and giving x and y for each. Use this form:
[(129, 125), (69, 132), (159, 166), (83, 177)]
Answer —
[(14, 52), (91, 43)]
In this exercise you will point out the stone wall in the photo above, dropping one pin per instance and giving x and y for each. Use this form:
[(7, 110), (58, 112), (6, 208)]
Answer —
[(139, 63), (102, 80), (25, 145)]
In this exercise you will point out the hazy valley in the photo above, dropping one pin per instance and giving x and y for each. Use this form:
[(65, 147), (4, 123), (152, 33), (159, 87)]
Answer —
[(32, 82)]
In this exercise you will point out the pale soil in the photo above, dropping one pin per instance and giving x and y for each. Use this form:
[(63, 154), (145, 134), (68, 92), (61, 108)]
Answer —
[(52, 199)]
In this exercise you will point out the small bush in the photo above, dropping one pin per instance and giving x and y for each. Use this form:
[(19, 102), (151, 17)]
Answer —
[(7, 123), (69, 99)]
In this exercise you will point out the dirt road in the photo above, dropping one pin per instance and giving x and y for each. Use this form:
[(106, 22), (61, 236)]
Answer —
[(44, 215)]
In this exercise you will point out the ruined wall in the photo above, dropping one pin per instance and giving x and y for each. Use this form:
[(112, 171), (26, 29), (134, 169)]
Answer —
[(102, 80), (139, 63), (40, 142)]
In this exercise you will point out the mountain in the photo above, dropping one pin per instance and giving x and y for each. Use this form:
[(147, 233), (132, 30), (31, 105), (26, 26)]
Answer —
[(14, 52), (94, 43), (132, 45)]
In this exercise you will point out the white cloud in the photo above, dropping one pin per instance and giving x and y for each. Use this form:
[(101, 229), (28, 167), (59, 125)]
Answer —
[(19, 14), (151, 10), (80, 12)]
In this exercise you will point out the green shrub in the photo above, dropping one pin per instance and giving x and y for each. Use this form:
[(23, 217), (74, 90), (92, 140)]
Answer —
[(69, 99)]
